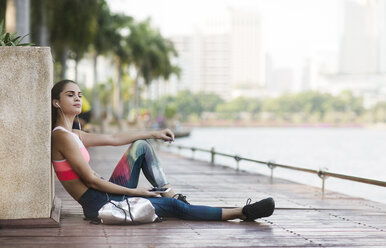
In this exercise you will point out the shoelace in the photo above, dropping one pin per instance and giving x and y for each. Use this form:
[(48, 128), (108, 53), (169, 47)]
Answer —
[(249, 200)]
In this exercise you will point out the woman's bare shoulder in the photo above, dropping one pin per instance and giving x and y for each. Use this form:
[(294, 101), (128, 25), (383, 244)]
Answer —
[(59, 134), (61, 137)]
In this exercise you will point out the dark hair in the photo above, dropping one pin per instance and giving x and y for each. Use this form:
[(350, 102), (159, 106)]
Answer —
[(55, 94)]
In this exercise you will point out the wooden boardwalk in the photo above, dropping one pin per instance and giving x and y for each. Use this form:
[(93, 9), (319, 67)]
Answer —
[(303, 218)]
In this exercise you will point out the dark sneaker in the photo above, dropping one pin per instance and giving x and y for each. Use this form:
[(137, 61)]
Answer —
[(263, 208), (181, 197)]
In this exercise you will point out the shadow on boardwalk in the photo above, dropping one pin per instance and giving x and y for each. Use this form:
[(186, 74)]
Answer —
[(303, 217)]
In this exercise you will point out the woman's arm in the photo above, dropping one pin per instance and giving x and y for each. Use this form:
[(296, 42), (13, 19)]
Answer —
[(68, 147), (108, 187), (119, 139)]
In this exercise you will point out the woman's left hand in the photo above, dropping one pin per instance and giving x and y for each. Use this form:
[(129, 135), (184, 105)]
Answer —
[(165, 135)]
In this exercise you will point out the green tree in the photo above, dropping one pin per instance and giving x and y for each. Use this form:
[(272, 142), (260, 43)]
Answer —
[(186, 104), (83, 35), (170, 111), (122, 56), (209, 101), (3, 4), (105, 91), (255, 105), (71, 27), (379, 112), (127, 93), (39, 22), (351, 102), (231, 109), (151, 55), (102, 44)]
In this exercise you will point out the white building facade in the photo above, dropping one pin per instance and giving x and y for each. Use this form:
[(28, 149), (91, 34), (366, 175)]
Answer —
[(361, 60), (223, 58)]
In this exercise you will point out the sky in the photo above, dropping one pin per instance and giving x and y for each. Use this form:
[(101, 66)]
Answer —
[(291, 29)]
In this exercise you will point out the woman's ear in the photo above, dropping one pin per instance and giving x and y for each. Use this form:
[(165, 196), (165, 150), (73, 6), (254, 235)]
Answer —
[(55, 103)]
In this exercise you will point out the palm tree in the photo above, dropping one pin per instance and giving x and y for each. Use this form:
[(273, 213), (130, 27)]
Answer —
[(137, 42), (151, 55), (39, 22), (159, 63), (3, 4), (71, 26), (83, 35), (163, 68), (122, 53), (102, 45)]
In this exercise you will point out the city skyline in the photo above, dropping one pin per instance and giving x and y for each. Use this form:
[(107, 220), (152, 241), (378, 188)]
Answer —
[(291, 30), (321, 70), (225, 58)]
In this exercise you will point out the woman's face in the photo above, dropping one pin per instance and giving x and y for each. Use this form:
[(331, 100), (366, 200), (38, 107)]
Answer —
[(70, 99)]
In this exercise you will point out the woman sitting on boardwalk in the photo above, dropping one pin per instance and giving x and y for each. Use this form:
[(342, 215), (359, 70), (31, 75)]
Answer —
[(70, 159)]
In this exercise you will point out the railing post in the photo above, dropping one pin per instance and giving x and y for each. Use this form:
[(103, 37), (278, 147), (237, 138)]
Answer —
[(323, 177), (212, 155), (271, 167), (237, 158), (193, 150)]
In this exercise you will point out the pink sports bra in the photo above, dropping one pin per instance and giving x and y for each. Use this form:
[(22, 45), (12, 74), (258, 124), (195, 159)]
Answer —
[(63, 170)]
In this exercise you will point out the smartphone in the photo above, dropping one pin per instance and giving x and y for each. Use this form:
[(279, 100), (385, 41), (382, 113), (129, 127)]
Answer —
[(160, 190)]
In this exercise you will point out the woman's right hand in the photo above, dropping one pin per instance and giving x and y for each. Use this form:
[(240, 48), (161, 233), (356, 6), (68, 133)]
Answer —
[(165, 135), (146, 192)]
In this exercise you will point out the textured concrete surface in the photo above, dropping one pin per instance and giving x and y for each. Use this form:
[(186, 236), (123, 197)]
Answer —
[(26, 187)]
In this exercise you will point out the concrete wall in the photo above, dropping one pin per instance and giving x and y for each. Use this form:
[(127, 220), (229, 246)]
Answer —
[(26, 178)]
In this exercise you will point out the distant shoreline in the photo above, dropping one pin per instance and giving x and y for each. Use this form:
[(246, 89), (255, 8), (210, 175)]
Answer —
[(248, 124)]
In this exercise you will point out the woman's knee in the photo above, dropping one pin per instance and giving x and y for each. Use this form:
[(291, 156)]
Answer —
[(140, 143), (140, 146)]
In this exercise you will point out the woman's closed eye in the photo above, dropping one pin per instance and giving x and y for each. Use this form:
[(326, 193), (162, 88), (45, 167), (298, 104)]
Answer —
[(71, 95)]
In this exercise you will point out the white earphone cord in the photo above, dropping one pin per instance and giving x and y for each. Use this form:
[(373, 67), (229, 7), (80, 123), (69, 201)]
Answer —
[(65, 119), (67, 122), (80, 126)]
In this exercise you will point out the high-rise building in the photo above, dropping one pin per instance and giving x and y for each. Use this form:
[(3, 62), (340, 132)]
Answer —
[(215, 64), (223, 58), (362, 56), (189, 61), (360, 49), (278, 79), (246, 49), (382, 25)]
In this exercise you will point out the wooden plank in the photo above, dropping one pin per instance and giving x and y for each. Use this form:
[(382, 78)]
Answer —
[(303, 218)]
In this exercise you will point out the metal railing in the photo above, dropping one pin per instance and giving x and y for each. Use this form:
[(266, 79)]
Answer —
[(321, 173)]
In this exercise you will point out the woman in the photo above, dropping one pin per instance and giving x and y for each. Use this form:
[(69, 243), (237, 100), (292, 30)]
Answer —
[(70, 159)]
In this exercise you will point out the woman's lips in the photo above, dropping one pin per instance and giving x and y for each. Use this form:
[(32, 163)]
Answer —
[(78, 105)]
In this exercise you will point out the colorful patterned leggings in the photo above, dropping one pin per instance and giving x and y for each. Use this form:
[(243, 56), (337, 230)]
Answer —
[(140, 155)]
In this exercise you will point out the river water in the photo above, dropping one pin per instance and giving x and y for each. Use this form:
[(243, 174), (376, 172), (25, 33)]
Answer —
[(353, 151)]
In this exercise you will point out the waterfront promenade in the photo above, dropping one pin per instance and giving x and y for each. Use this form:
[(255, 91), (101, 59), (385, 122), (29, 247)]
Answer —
[(303, 218)]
